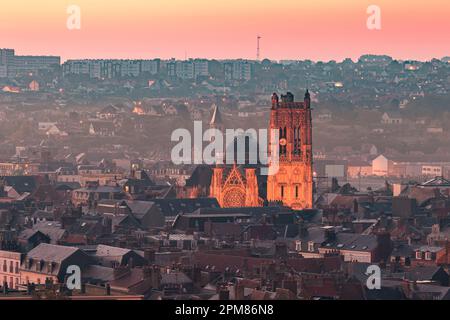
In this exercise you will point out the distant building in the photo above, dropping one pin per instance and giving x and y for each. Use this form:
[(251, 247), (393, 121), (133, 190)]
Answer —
[(9, 268), (357, 169), (32, 64), (91, 195), (102, 128), (238, 70), (111, 69), (381, 166), (33, 86), (50, 262), (188, 69), (14, 65), (391, 118)]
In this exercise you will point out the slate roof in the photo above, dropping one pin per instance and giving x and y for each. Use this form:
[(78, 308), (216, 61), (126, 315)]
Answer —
[(139, 208), (51, 252), (402, 250), (29, 233), (314, 234), (428, 292), (53, 230), (178, 278), (106, 251), (56, 255), (173, 207), (200, 177), (101, 189), (21, 183), (85, 227), (220, 262), (352, 241), (95, 272), (131, 282), (64, 186), (422, 273)]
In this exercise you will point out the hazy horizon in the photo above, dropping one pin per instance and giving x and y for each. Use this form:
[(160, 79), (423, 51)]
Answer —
[(290, 30), (19, 53)]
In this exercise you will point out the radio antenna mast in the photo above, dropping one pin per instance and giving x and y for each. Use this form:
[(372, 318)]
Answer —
[(258, 38)]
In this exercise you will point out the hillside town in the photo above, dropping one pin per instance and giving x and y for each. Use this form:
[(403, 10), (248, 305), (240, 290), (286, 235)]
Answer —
[(86, 180)]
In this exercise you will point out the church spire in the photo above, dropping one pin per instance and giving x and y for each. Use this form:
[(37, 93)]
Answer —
[(216, 119), (307, 99)]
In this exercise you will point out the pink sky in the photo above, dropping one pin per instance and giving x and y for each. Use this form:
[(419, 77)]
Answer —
[(290, 29)]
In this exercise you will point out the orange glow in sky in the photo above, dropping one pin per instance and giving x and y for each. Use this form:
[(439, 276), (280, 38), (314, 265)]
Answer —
[(290, 29)]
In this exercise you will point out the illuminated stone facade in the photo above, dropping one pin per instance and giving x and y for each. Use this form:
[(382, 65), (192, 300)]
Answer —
[(234, 189), (293, 184)]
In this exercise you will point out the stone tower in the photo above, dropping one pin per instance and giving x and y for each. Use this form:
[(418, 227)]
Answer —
[(293, 184)]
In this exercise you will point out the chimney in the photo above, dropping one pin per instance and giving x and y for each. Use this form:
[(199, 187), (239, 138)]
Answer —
[(224, 294), (239, 291), (154, 274), (107, 225), (5, 288), (156, 277), (330, 234), (48, 283), (149, 255), (302, 228), (30, 288), (281, 250)]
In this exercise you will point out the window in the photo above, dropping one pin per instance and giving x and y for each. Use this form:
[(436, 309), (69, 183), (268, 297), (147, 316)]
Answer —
[(310, 246), (427, 255), (282, 191), (298, 246), (296, 192)]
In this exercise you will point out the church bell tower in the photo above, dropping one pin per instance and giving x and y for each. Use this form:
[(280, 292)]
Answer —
[(293, 183)]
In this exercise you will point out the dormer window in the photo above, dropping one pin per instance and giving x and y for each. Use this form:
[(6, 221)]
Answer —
[(427, 255), (310, 246), (49, 267), (298, 246), (418, 255)]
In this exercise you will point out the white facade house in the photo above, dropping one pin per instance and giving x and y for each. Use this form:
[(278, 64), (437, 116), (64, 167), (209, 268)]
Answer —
[(381, 165)]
